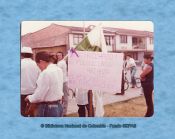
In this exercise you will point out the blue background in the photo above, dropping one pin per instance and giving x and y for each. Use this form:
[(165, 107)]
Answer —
[(161, 12)]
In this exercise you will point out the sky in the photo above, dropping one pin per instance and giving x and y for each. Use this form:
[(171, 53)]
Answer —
[(32, 26)]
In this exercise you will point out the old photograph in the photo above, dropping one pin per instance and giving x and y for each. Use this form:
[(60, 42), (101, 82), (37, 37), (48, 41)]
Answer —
[(87, 69)]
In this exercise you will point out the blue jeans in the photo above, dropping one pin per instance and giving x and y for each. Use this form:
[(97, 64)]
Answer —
[(133, 72), (49, 110)]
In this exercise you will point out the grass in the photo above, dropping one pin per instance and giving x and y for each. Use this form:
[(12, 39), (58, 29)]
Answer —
[(135, 107)]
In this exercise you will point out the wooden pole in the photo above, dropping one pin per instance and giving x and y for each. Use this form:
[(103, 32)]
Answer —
[(90, 105), (122, 85), (122, 82)]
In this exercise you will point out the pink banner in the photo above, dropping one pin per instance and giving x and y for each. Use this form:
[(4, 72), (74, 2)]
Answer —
[(95, 71)]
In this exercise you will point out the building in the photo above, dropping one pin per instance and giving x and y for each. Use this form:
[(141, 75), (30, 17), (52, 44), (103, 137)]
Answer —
[(60, 38)]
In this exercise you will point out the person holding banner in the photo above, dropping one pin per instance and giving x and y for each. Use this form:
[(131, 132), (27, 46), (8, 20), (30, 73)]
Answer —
[(49, 92), (83, 102)]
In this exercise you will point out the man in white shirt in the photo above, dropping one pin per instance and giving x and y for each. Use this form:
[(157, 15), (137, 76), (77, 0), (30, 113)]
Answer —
[(49, 92), (62, 64), (131, 65), (29, 76)]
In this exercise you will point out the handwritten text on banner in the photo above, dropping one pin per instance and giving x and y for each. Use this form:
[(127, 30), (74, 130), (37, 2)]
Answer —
[(95, 71)]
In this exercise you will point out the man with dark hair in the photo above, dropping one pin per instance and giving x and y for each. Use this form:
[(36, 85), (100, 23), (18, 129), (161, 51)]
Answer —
[(147, 83), (49, 91), (53, 57), (29, 76), (131, 65), (60, 55), (62, 64), (42, 56)]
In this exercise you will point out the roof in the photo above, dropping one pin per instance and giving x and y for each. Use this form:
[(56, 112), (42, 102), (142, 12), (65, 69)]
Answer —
[(119, 31), (131, 32), (56, 35), (53, 35)]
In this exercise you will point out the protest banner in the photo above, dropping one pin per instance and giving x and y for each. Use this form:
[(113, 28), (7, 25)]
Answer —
[(95, 71)]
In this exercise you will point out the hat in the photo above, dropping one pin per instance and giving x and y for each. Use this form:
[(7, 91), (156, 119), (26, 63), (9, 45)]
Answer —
[(26, 50)]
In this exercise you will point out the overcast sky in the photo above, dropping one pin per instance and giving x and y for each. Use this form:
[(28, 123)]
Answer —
[(32, 26)]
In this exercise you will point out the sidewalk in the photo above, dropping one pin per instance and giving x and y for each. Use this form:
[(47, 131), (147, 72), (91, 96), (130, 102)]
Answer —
[(107, 99)]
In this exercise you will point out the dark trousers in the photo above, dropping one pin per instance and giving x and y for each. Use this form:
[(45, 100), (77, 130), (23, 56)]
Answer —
[(148, 92), (82, 110), (23, 105), (133, 72)]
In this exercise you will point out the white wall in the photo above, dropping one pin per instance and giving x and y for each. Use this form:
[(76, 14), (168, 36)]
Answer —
[(119, 46), (124, 46), (150, 47), (109, 47), (140, 56), (71, 41)]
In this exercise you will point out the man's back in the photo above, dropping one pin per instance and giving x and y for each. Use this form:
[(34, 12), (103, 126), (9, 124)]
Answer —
[(55, 76), (49, 85), (131, 62), (29, 76)]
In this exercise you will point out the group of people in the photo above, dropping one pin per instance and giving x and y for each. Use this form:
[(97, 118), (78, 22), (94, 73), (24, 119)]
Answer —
[(44, 88), (43, 84), (147, 79)]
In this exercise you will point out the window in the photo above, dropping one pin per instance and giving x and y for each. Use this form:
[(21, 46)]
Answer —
[(123, 39), (151, 40), (135, 56), (134, 41), (109, 40), (77, 38)]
